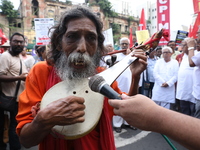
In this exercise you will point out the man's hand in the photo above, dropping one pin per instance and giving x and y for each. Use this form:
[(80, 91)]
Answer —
[(137, 110), (191, 42), (139, 65), (65, 111), (165, 85), (23, 76)]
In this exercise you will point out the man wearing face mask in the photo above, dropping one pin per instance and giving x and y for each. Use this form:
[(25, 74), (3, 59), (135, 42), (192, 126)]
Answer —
[(10, 67)]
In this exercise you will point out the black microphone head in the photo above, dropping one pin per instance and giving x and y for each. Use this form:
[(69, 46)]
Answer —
[(108, 62), (113, 58), (95, 83)]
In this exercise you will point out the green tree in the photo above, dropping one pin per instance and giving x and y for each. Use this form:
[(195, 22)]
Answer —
[(106, 7), (8, 10), (116, 32), (68, 2)]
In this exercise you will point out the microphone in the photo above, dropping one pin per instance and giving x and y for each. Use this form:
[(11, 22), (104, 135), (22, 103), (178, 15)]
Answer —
[(98, 84)]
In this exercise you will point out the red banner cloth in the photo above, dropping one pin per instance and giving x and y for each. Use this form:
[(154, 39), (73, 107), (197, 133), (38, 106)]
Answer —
[(163, 15)]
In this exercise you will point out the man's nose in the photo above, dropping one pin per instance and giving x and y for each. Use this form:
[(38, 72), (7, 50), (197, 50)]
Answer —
[(81, 45)]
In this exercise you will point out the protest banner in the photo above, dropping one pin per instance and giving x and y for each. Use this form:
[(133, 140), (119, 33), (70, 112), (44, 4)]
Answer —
[(42, 27), (108, 34), (180, 36), (142, 36)]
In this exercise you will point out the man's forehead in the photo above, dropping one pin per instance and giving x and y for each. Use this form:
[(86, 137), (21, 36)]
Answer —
[(166, 50), (81, 24), (124, 41), (18, 37)]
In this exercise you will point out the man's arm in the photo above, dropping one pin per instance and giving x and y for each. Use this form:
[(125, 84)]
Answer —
[(6, 78), (191, 43), (137, 67), (141, 112), (65, 111)]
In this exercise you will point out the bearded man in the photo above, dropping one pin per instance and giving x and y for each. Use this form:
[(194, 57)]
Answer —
[(76, 49), (9, 76)]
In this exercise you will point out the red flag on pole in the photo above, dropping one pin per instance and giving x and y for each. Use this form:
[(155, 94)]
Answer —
[(131, 38), (196, 26), (190, 31), (142, 25)]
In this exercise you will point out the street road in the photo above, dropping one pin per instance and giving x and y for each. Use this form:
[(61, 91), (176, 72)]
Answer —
[(130, 139)]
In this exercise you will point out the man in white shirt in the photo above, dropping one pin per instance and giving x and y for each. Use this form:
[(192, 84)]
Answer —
[(165, 74), (185, 83), (194, 61), (124, 82)]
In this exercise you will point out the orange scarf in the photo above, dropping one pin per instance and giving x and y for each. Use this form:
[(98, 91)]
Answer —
[(101, 138)]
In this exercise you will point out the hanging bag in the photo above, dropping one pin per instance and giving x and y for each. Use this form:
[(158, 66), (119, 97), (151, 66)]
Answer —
[(146, 83), (8, 102)]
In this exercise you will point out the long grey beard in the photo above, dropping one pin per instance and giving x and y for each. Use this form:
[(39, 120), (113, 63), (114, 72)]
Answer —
[(65, 71)]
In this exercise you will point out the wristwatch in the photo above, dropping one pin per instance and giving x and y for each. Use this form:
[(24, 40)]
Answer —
[(190, 48)]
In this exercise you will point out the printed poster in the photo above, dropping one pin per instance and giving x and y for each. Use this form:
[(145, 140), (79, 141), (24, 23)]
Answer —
[(42, 27)]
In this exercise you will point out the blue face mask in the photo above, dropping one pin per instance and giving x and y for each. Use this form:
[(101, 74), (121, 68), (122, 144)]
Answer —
[(41, 58)]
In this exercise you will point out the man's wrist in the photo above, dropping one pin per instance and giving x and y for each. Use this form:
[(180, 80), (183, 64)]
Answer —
[(190, 48)]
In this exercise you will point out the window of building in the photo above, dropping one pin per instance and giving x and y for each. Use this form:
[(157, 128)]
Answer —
[(126, 28), (50, 13), (62, 7), (110, 25), (35, 8), (19, 25)]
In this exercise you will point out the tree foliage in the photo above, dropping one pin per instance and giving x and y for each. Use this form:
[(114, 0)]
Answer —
[(68, 2), (8, 10), (106, 7), (116, 32)]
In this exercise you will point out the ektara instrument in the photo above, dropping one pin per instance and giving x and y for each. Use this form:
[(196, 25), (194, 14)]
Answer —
[(93, 100)]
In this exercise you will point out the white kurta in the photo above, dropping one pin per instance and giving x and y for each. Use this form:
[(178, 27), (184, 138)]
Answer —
[(196, 76), (165, 72), (185, 81), (124, 82)]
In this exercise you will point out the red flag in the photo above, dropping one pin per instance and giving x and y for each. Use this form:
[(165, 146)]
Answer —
[(142, 25), (190, 31), (131, 38), (196, 26), (196, 5), (3, 38)]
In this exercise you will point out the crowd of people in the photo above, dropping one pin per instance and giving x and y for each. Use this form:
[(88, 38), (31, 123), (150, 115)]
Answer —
[(169, 77)]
